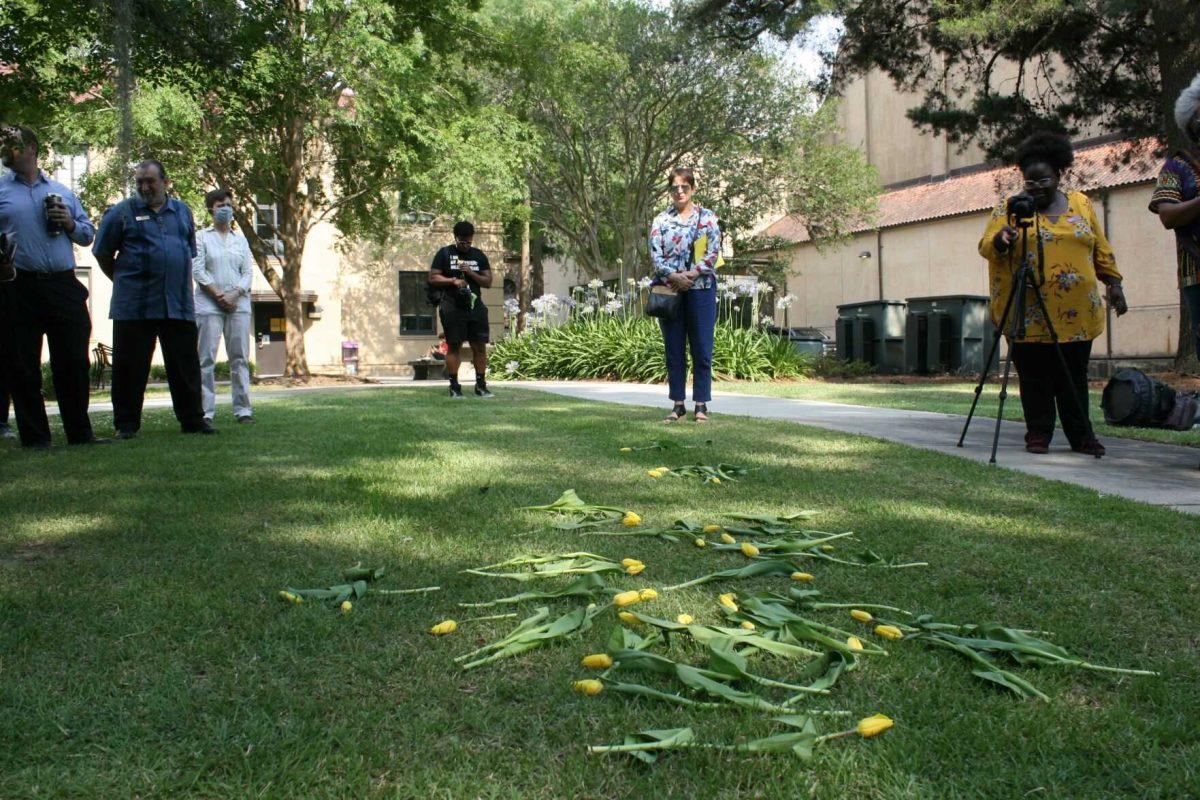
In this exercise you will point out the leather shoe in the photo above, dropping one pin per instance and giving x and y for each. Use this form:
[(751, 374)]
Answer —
[(203, 427), (245, 420), (94, 440), (125, 435)]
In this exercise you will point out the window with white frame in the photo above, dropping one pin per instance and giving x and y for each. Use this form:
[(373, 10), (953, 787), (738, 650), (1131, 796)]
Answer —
[(70, 167), (266, 218)]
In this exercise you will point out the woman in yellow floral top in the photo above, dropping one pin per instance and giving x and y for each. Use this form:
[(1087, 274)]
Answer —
[(1078, 258)]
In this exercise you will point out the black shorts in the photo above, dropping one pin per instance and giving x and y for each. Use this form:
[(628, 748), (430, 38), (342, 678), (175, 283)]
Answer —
[(464, 324)]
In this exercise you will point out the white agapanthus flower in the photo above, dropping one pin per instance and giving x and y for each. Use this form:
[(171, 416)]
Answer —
[(545, 304), (512, 307), (745, 289), (595, 283), (723, 286), (630, 282), (512, 366), (644, 283), (609, 294), (588, 309), (766, 319), (728, 295), (613, 306), (784, 302)]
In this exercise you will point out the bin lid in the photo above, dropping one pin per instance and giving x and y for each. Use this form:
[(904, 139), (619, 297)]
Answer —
[(950, 297), (800, 334), (870, 303)]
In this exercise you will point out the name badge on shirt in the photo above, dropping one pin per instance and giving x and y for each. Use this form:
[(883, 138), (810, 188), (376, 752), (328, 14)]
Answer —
[(142, 218)]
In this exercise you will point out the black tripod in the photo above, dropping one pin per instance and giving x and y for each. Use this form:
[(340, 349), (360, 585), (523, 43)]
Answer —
[(1023, 281)]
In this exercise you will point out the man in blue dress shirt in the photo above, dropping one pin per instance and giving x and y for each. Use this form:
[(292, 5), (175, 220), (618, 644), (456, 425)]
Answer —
[(42, 297), (145, 245)]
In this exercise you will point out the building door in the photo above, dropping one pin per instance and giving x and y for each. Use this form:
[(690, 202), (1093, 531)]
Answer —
[(269, 335)]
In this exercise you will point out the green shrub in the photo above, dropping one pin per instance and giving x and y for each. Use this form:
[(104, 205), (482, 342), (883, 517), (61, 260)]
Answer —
[(158, 374), (834, 367), (631, 349)]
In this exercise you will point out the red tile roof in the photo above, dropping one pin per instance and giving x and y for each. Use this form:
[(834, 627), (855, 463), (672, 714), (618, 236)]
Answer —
[(1102, 166)]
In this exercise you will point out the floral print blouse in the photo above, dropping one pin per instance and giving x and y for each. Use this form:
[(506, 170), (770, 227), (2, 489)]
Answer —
[(1076, 252), (672, 242)]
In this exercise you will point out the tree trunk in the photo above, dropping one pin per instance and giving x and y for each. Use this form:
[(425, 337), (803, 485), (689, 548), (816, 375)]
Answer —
[(1178, 34), (537, 274), (525, 270), (296, 364)]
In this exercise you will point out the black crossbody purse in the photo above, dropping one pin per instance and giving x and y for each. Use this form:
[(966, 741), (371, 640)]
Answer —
[(663, 302)]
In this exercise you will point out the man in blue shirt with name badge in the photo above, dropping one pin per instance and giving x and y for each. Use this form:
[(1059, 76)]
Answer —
[(40, 222), (146, 245)]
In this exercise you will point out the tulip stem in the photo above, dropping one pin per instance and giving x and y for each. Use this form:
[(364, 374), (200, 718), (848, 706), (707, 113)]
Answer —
[(823, 606), (421, 590), (491, 616)]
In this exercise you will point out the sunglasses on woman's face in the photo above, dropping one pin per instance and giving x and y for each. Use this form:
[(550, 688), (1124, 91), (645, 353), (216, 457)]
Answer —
[(676, 188), (1040, 183)]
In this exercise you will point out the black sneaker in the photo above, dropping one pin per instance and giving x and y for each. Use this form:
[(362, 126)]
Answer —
[(203, 428), (456, 393), (481, 390)]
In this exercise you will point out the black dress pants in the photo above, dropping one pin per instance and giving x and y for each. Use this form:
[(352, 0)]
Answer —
[(1043, 386), (133, 347), (54, 306), (5, 401)]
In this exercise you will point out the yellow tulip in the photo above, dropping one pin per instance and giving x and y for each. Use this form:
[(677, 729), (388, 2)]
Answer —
[(662, 470), (647, 594), (626, 449), (873, 726), (803, 577), (443, 628), (653, 473), (597, 661), (590, 687), (346, 606), (747, 625), (715, 480), (749, 550), (629, 618), (627, 598), (636, 569), (685, 619), (700, 543), (854, 643), (727, 539), (711, 528), (890, 632), (727, 601), (828, 548), (291, 598), (860, 615), (629, 562), (631, 520)]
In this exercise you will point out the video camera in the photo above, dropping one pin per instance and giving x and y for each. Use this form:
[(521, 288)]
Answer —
[(1021, 207)]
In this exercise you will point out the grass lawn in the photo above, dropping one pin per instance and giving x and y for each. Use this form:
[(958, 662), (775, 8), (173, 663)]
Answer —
[(144, 652), (947, 398)]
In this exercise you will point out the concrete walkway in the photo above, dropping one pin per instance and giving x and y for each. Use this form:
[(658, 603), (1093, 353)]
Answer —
[(1158, 474)]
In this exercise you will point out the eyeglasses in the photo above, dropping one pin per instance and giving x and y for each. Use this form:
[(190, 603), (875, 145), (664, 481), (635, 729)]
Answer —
[(1041, 183), (680, 187)]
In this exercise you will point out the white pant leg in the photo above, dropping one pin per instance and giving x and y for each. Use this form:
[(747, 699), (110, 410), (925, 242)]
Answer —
[(209, 327), (237, 346)]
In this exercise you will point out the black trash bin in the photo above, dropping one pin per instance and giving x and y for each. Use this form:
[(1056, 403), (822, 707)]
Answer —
[(947, 333), (873, 332), (806, 341)]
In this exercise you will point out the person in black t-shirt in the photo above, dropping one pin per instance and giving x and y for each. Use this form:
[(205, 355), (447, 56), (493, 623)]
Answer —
[(461, 272)]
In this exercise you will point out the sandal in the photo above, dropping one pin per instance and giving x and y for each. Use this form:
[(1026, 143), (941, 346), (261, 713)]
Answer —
[(701, 412), (677, 413)]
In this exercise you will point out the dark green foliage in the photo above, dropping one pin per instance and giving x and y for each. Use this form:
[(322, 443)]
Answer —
[(632, 349)]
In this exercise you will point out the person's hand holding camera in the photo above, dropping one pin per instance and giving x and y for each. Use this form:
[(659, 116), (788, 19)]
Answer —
[(1004, 238), (60, 215)]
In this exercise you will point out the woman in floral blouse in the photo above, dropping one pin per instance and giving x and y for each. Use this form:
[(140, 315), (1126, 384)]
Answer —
[(1078, 258), (685, 247)]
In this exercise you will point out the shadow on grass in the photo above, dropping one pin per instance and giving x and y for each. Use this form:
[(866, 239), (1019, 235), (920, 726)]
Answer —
[(145, 652)]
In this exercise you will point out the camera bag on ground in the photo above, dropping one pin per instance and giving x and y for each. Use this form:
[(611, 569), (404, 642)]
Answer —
[(1134, 399)]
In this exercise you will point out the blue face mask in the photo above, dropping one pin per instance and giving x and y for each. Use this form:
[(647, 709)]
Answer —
[(223, 214)]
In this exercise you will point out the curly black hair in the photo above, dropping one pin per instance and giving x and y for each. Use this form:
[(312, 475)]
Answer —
[(1045, 148)]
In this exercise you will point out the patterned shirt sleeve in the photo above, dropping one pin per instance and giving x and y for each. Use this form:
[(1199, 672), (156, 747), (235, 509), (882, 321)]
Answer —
[(661, 268), (1102, 252), (1169, 188), (710, 229)]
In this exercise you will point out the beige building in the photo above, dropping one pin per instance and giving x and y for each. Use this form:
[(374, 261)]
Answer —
[(934, 208), (371, 296)]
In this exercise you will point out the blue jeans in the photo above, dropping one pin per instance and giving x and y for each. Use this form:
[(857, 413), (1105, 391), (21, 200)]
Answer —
[(693, 326), (1191, 296)]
